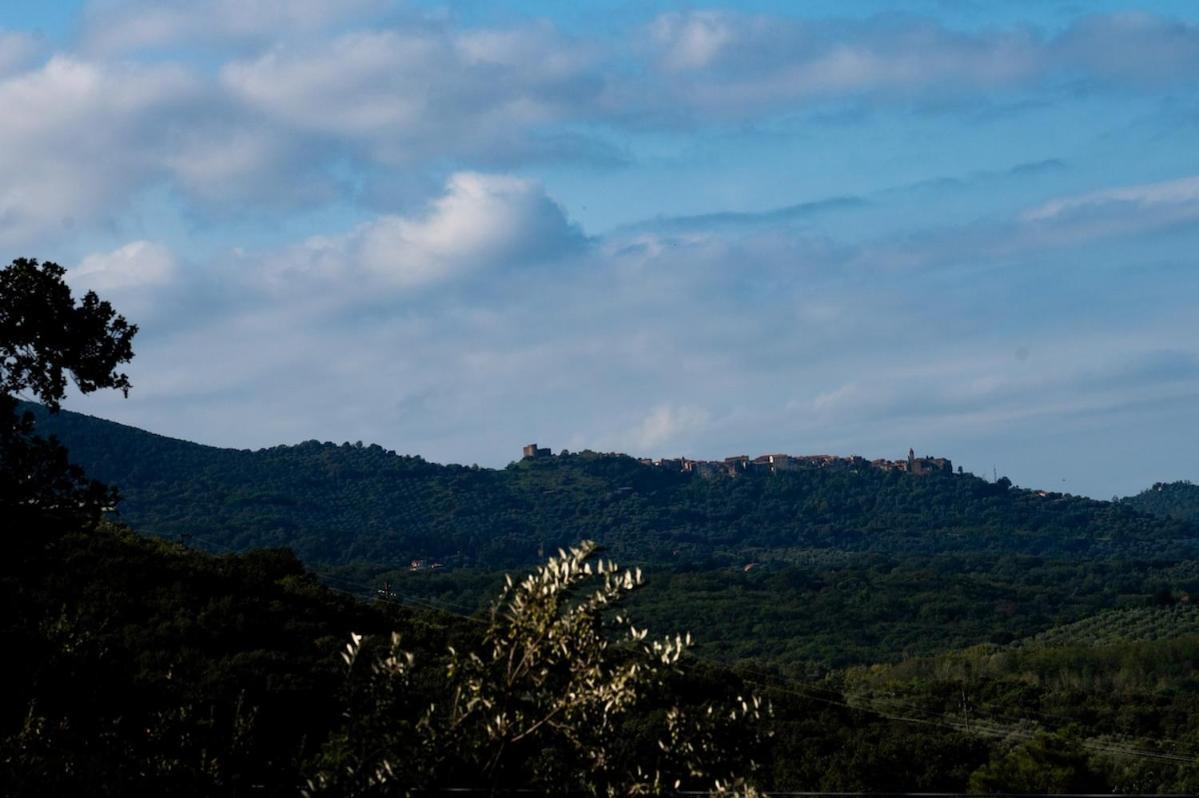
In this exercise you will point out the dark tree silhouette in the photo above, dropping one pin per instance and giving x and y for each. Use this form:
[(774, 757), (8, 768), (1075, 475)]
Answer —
[(47, 336), (44, 334)]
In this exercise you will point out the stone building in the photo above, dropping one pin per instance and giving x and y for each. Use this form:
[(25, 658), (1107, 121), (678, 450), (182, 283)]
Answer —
[(922, 466)]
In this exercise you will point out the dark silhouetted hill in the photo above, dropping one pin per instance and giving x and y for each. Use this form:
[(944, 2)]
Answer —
[(354, 503)]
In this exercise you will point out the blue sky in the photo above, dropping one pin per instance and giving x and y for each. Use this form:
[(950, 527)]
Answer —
[(660, 228)]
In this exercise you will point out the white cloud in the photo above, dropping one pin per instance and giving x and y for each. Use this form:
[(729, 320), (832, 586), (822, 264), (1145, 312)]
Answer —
[(491, 217), (836, 398), (17, 50), (1131, 48), (480, 221), (139, 264), (406, 94), (223, 163), (667, 424), (316, 101), (144, 282), (737, 64), (1118, 213), (78, 138), (82, 138), (692, 40), (1182, 193), (416, 79), (733, 63), (115, 26), (969, 388)]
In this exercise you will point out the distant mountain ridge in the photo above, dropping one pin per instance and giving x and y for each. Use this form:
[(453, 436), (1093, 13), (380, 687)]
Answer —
[(353, 503)]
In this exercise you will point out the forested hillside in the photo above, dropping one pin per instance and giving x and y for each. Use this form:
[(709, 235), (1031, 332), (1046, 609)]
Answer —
[(1168, 500), (346, 503), (1108, 704), (811, 615), (135, 665)]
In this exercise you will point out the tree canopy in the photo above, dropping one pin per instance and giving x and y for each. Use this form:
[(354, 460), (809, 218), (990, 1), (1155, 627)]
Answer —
[(46, 336)]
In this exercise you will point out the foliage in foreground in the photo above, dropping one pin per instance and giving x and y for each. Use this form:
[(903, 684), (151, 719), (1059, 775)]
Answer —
[(546, 700)]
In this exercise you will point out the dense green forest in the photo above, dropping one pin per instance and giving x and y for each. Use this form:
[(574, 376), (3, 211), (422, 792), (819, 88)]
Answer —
[(134, 662), (808, 617), (1121, 690), (1168, 500), (147, 667), (337, 504)]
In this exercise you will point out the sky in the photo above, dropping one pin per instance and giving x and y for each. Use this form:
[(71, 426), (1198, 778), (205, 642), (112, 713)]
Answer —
[(666, 229)]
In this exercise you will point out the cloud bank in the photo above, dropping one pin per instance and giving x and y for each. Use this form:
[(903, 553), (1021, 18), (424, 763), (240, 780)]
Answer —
[(294, 100)]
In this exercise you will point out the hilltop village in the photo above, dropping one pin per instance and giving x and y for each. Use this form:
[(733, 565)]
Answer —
[(773, 463)]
